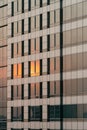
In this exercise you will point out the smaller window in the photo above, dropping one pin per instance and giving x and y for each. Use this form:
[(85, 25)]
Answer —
[(54, 40), (22, 26), (17, 92), (41, 21), (48, 42), (48, 66), (54, 16), (12, 50), (54, 63), (48, 19), (22, 48), (17, 70), (48, 2), (41, 3), (53, 88), (12, 8), (29, 5), (35, 68), (17, 113), (35, 113), (53, 113), (12, 29), (29, 25), (35, 22), (29, 46), (41, 43), (17, 26), (11, 71), (35, 90), (22, 6)]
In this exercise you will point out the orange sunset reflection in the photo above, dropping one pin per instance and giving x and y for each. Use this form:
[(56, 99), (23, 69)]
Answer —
[(35, 68)]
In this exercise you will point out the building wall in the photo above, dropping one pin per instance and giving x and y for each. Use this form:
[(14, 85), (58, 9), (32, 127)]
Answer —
[(35, 59), (34, 65), (75, 65)]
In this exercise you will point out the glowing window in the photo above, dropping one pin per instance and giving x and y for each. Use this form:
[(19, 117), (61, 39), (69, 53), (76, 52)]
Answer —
[(17, 70), (35, 68)]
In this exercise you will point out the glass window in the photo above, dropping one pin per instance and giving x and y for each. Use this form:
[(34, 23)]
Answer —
[(54, 65), (35, 113), (53, 88), (70, 111), (40, 3), (17, 113), (41, 22), (35, 68), (29, 5), (48, 2), (17, 92), (29, 25), (35, 90), (48, 19), (12, 8), (22, 26), (12, 29), (22, 6), (53, 113), (17, 49), (17, 70), (48, 42)]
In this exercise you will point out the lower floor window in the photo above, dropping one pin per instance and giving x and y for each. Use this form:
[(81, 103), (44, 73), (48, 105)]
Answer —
[(17, 113), (53, 113), (35, 113)]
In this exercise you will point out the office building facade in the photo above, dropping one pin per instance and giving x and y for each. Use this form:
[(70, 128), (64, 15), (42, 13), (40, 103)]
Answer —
[(43, 67)]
